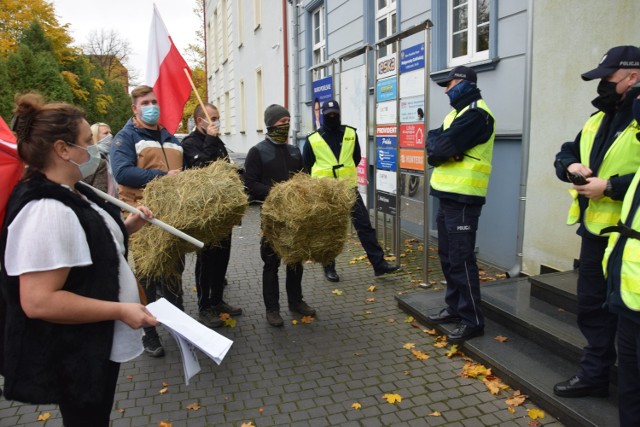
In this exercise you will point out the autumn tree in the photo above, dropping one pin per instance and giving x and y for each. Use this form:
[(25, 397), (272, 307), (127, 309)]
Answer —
[(196, 55), (108, 49)]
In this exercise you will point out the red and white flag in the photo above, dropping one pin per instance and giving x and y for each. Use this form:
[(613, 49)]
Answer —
[(165, 73), (10, 165)]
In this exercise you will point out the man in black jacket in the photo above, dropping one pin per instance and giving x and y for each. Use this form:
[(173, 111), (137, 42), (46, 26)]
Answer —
[(267, 163), (202, 147)]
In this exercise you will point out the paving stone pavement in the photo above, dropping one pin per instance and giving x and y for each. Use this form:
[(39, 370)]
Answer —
[(307, 374)]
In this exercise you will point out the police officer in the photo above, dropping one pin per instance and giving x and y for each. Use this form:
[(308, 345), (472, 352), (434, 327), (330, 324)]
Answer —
[(607, 154), (333, 151), (460, 151)]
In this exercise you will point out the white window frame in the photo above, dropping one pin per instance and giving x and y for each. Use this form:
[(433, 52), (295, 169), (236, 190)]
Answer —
[(259, 100), (257, 14), (318, 46), (243, 116), (216, 49), (240, 24), (224, 24), (472, 33), (388, 12)]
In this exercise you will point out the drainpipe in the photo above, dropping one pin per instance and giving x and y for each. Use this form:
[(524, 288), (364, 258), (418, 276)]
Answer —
[(295, 104), (204, 35), (526, 136), (285, 43)]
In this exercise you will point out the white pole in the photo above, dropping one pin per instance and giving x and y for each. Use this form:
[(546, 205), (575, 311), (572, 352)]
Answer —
[(154, 221)]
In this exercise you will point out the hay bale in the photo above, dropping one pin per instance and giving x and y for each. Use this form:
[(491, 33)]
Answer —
[(205, 203), (306, 218)]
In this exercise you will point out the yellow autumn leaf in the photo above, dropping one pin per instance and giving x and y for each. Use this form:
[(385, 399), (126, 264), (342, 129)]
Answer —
[(164, 424), (164, 390), (452, 351), (294, 321), (474, 370), (230, 323), (194, 289), (500, 338), (535, 414), (409, 319), (337, 292), (120, 410), (307, 319), (352, 262), (511, 409), (371, 300), (165, 384), (356, 406), (248, 424), (430, 331), (392, 398), (435, 414), (372, 288), (441, 342), (492, 385), (516, 399), (409, 345), (44, 416), (420, 355)]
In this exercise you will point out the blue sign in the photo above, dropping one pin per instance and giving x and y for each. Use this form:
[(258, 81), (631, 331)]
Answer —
[(386, 159), (386, 90), (322, 91), (412, 58), (387, 141)]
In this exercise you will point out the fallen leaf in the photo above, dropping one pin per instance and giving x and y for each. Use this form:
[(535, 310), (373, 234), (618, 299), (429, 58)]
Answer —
[(534, 423), (337, 292), (435, 414), (452, 351), (44, 416), (534, 413), (474, 370), (420, 355), (230, 323), (356, 406), (391, 320), (441, 341), (357, 354), (406, 372), (294, 321), (121, 410), (494, 384), (516, 399), (224, 316), (164, 390), (307, 319), (371, 300), (164, 424), (430, 331), (511, 409), (409, 345), (261, 410), (129, 377), (500, 338), (409, 319), (372, 288), (415, 325), (165, 384), (194, 289), (248, 424), (193, 406), (392, 398)]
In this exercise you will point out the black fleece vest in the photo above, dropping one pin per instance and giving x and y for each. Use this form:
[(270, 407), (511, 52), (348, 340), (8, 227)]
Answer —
[(44, 362)]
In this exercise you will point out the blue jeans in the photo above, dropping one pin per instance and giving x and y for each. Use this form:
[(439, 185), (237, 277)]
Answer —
[(457, 226)]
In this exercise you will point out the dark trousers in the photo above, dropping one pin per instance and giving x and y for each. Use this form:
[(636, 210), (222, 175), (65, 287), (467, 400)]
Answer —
[(596, 323), (170, 289), (628, 372), (457, 226), (366, 233), (270, 283), (211, 269), (97, 414)]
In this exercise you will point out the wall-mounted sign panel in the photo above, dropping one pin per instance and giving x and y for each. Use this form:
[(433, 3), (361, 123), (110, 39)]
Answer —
[(412, 58), (412, 135), (386, 112), (386, 159), (386, 141), (386, 181), (386, 203), (412, 83), (322, 91), (387, 89), (386, 67), (412, 110), (412, 159)]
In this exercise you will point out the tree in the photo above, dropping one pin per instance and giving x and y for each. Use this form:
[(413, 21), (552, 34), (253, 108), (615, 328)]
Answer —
[(112, 52), (17, 15), (195, 52)]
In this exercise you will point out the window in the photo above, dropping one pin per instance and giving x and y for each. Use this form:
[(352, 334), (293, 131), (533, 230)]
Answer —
[(240, 23), (385, 23), (319, 46), (243, 119), (257, 14), (468, 31), (259, 100), (216, 56), (225, 30)]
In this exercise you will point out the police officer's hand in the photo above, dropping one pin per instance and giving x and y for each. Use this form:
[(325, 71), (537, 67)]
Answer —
[(593, 189), (580, 169)]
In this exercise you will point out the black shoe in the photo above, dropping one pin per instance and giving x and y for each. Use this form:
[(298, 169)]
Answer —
[(302, 308), (464, 332), (223, 307), (274, 318), (152, 345), (576, 387), (210, 319), (386, 269), (443, 316), (330, 272)]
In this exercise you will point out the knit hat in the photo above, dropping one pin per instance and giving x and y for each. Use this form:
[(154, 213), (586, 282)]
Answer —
[(273, 113)]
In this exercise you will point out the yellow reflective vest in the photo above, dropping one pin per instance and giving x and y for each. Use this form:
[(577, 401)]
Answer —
[(471, 175), (622, 158), (630, 268), (327, 166)]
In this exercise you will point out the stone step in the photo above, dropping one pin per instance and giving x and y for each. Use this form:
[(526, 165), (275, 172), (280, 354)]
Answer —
[(558, 289), (521, 362)]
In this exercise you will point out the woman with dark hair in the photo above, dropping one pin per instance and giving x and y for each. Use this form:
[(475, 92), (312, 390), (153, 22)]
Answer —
[(69, 307)]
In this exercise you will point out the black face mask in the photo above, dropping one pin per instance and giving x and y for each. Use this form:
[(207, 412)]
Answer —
[(331, 122), (607, 95)]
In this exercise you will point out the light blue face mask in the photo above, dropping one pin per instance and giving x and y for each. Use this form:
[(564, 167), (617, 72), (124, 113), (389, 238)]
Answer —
[(150, 114), (89, 167)]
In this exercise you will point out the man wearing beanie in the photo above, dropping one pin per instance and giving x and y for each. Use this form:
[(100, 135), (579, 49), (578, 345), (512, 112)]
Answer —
[(333, 151), (267, 163), (600, 163)]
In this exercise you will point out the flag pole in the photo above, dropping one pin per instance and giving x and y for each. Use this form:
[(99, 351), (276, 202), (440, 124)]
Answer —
[(193, 86)]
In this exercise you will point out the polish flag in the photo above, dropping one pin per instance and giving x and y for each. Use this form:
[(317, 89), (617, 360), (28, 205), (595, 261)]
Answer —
[(10, 165), (165, 73)]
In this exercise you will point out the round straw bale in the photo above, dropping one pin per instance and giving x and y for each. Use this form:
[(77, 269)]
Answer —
[(205, 203), (306, 218)]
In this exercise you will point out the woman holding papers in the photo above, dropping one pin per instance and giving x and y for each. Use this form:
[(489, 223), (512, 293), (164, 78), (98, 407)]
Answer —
[(69, 305)]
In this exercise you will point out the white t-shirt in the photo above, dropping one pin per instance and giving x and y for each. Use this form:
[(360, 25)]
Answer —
[(47, 235)]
